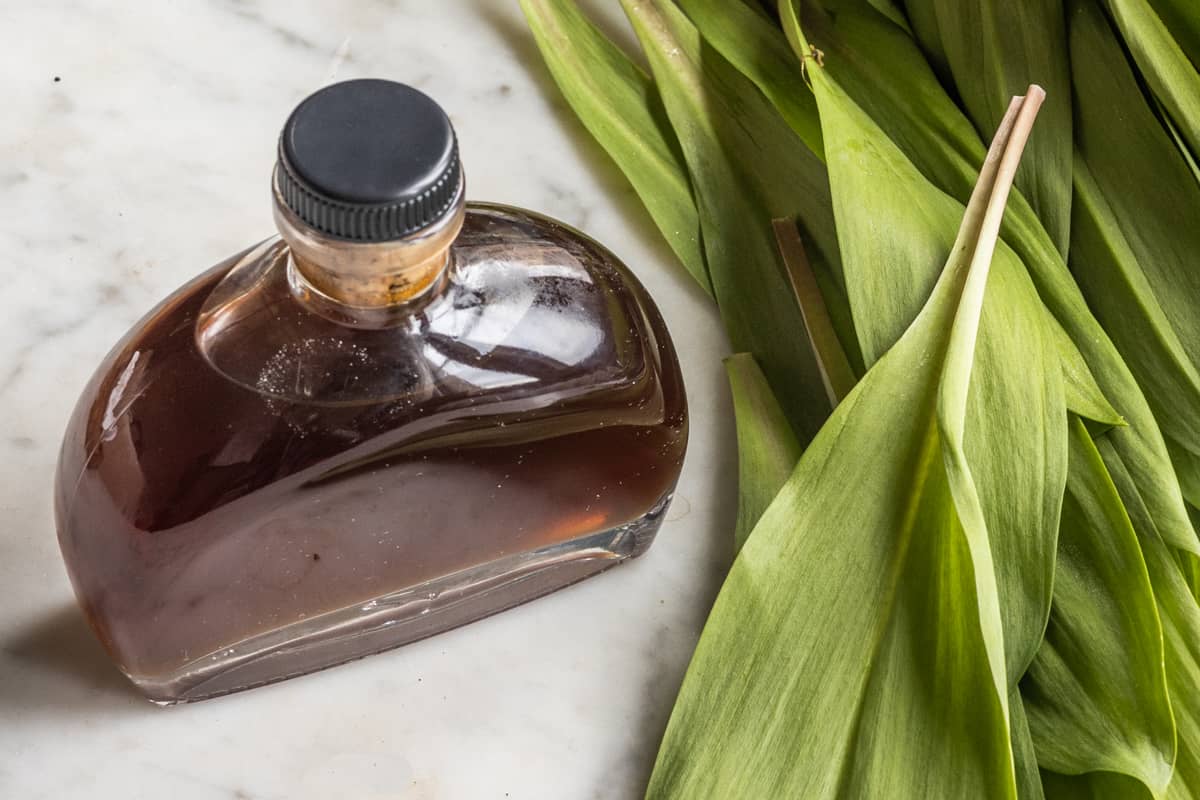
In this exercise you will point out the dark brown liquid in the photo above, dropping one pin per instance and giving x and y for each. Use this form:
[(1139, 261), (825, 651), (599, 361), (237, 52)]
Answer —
[(195, 512)]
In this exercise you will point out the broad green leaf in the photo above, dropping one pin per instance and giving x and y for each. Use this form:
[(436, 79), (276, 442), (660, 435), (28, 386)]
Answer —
[(1093, 786), (870, 567), (1029, 780), (1182, 18), (764, 8), (757, 48), (1177, 137), (1181, 640), (1112, 276), (780, 170), (619, 106), (888, 77), (1096, 694), (894, 228), (891, 10), (1137, 236), (1189, 565), (1179, 616), (715, 112), (883, 301), (1171, 76), (782, 161), (923, 24), (1083, 395), (880, 68), (1187, 469), (995, 48), (767, 447), (1133, 500)]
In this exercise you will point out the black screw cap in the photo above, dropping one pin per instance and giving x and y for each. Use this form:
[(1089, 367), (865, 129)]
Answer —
[(368, 160)]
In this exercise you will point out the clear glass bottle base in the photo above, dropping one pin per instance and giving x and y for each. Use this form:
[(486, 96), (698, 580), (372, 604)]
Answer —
[(402, 617)]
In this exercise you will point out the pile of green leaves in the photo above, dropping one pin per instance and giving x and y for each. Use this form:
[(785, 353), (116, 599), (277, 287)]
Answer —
[(969, 435)]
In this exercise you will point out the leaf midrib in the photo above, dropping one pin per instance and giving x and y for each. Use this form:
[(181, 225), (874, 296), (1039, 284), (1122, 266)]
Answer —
[(927, 460)]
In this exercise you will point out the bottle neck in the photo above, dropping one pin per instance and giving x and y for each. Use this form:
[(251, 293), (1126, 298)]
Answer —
[(369, 284)]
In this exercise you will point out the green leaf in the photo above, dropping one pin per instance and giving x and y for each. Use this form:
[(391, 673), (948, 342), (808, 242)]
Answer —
[(923, 24), (880, 67), (1171, 76), (1029, 780), (865, 560), (1187, 469), (767, 447), (1135, 248), (877, 65), (1083, 395), (1180, 618), (736, 158), (758, 50), (885, 300), (780, 171), (1096, 694), (619, 106), (892, 11), (894, 228), (1182, 18), (1093, 786), (1177, 137), (995, 48), (777, 147), (1189, 565)]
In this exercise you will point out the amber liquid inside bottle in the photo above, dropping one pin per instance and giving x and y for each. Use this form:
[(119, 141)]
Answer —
[(249, 490)]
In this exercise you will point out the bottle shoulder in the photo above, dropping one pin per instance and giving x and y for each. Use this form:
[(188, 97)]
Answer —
[(523, 301)]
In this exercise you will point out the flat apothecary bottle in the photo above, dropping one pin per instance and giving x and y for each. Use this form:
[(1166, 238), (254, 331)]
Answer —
[(402, 414)]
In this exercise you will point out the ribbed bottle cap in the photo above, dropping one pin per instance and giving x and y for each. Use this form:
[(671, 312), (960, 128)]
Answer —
[(368, 160)]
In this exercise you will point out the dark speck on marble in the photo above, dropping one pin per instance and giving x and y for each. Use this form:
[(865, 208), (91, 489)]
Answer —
[(22, 442)]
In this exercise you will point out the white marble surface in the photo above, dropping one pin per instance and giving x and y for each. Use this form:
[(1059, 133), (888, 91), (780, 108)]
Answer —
[(136, 141)]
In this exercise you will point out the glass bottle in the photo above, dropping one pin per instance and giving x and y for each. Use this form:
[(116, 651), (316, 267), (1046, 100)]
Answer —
[(402, 414)]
